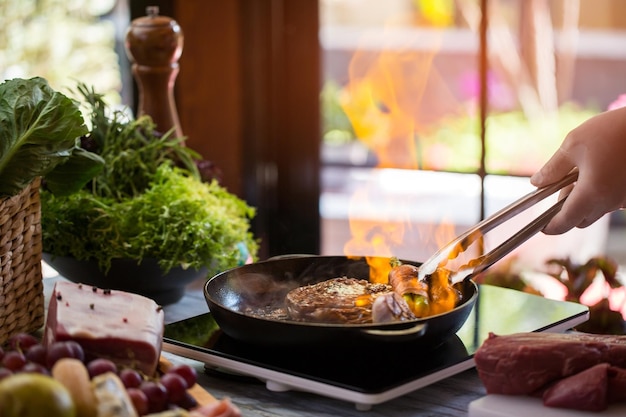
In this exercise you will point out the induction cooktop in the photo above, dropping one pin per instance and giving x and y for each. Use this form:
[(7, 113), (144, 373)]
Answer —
[(372, 373)]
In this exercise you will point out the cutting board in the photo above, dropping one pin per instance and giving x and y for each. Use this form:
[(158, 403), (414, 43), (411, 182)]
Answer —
[(521, 406)]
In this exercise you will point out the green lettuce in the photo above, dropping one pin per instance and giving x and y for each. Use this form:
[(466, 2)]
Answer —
[(178, 219), (148, 202), (40, 137)]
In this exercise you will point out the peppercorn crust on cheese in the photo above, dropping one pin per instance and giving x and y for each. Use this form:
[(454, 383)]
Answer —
[(124, 327)]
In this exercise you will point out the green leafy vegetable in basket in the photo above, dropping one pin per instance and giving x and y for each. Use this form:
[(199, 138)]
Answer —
[(40, 138), (147, 202)]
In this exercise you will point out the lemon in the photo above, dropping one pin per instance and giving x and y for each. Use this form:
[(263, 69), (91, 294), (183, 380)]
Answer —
[(34, 395)]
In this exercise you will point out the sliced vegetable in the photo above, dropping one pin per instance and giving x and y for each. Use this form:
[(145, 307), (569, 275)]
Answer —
[(418, 304)]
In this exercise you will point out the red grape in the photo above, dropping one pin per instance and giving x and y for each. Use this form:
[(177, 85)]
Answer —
[(187, 372), (157, 395), (14, 360), (140, 400), (37, 354), (57, 351), (176, 386), (37, 368), (130, 378), (22, 341), (1, 353), (76, 350), (101, 366), (187, 402)]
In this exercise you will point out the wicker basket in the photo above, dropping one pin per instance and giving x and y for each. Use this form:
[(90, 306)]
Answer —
[(21, 284)]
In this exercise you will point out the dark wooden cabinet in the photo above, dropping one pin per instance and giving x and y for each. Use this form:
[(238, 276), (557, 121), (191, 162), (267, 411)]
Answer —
[(248, 99)]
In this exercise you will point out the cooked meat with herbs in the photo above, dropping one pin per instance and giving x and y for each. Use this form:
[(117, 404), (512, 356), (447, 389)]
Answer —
[(337, 300)]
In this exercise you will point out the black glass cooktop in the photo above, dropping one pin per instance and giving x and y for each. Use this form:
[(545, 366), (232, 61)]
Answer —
[(371, 373)]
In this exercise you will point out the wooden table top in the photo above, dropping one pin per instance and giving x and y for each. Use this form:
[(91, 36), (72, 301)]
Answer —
[(449, 397)]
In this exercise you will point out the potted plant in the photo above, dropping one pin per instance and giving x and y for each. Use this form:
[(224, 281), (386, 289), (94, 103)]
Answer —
[(577, 278), (148, 222)]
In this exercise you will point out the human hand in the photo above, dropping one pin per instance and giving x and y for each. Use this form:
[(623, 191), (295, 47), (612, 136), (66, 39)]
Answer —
[(598, 148)]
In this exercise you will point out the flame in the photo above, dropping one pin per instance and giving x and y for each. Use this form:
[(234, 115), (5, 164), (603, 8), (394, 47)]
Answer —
[(383, 100), (443, 297), (444, 232)]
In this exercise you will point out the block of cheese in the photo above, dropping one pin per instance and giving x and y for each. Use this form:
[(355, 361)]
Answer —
[(124, 327)]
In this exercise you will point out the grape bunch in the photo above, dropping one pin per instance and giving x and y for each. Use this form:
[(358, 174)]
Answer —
[(150, 394)]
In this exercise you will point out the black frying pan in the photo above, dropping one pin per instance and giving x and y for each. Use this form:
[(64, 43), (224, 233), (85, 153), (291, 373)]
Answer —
[(263, 285)]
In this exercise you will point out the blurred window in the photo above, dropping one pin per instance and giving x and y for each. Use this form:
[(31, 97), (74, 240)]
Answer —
[(66, 42)]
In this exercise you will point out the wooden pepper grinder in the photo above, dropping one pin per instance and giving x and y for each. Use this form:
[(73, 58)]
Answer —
[(154, 44)]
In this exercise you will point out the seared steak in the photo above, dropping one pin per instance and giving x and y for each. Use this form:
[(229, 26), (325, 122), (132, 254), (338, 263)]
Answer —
[(337, 300)]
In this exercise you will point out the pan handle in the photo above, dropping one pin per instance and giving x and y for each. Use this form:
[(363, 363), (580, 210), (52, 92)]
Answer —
[(409, 333)]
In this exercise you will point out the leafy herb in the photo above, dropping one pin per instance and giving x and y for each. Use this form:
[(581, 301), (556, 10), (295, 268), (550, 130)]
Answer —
[(39, 137), (177, 220), (147, 202), (132, 149)]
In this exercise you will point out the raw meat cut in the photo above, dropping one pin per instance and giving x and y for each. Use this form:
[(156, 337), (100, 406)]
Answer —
[(124, 327), (617, 385), (586, 390), (523, 363), (591, 390)]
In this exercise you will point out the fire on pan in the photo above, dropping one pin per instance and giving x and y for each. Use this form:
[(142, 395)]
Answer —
[(397, 295), (252, 303)]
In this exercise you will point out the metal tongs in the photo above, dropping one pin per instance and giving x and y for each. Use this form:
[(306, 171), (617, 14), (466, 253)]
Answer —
[(457, 246)]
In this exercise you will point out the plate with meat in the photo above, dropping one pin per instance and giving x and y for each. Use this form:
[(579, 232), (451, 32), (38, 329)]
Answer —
[(553, 374)]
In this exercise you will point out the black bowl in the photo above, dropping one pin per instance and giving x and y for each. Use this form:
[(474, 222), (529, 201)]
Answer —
[(146, 278)]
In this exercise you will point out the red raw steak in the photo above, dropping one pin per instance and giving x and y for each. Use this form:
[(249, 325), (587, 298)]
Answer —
[(524, 363)]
